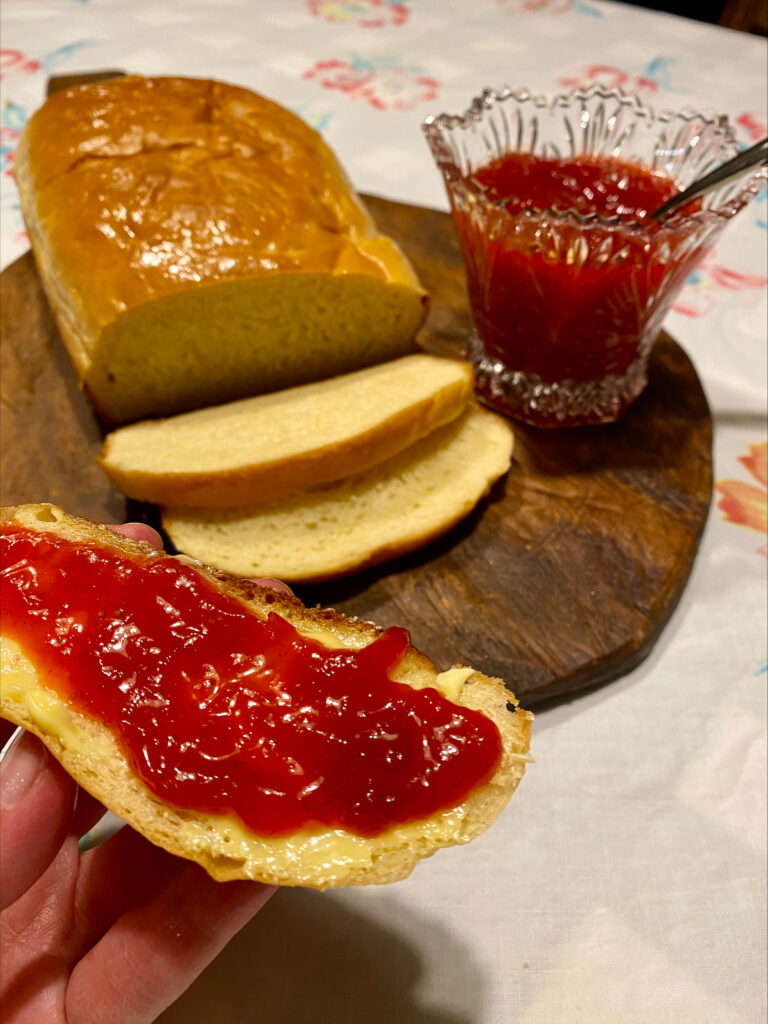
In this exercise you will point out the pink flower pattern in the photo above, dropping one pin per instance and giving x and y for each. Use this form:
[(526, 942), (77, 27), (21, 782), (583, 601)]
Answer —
[(365, 13), (532, 6), (383, 87), (611, 77), (744, 503), (15, 60), (754, 128), (697, 298)]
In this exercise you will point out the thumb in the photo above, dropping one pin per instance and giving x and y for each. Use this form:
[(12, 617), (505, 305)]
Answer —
[(36, 805)]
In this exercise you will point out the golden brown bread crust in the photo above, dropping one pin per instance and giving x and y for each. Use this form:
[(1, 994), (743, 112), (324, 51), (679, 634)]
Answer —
[(155, 158), (320, 860), (139, 190)]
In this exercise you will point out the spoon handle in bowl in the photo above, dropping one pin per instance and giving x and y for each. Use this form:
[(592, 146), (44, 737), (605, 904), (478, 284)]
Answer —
[(731, 169)]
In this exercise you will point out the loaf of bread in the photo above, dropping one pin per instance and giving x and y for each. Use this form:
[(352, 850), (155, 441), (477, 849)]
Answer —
[(263, 448), (199, 243), (394, 507), (93, 754)]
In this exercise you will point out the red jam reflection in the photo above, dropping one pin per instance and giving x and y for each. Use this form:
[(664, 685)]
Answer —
[(221, 712), (559, 299)]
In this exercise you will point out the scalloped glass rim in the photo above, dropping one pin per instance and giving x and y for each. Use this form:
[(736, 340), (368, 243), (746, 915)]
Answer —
[(435, 124)]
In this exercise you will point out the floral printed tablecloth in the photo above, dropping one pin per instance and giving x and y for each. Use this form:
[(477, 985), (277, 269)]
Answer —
[(626, 882)]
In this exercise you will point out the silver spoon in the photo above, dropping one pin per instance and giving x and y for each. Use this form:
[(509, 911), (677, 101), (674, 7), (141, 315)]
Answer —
[(731, 169)]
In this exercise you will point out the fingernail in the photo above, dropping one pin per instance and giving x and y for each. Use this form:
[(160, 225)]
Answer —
[(21, 761)]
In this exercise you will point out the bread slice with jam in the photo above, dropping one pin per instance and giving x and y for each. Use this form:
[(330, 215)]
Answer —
[(52, 562)]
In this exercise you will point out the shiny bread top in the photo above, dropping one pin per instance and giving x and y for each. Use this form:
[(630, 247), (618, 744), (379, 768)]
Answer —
[(161, 184)]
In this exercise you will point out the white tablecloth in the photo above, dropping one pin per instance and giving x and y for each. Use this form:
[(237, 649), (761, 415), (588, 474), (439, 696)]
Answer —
[(626, 881)]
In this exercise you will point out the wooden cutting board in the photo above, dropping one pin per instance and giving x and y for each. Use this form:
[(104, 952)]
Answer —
[(563, 578)]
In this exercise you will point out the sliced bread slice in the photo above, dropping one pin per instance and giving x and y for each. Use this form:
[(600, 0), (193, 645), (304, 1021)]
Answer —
[(395, 507), (263, 448)]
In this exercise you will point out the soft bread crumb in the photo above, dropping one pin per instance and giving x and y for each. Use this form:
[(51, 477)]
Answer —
[(394, 507)]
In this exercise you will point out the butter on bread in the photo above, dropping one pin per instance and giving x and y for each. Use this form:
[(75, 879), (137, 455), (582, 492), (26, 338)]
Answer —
[(262, 448), (392, 508), (199, 243), (320, 859)]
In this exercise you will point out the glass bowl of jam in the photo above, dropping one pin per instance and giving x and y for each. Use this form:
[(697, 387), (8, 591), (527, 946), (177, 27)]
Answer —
[(569, 277)]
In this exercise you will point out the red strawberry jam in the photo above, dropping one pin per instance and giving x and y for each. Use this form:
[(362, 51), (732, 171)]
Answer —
[(221, 712)]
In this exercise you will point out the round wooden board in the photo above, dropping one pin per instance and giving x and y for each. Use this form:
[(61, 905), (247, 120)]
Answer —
[(562, 579)]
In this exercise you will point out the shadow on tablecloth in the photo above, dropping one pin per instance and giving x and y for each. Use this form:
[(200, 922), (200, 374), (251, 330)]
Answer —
[(315, 958)]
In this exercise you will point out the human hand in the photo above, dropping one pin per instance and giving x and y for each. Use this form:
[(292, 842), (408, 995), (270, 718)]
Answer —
[(114, 934)]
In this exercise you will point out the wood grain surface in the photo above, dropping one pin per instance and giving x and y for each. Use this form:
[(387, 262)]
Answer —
[(563, 578)]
